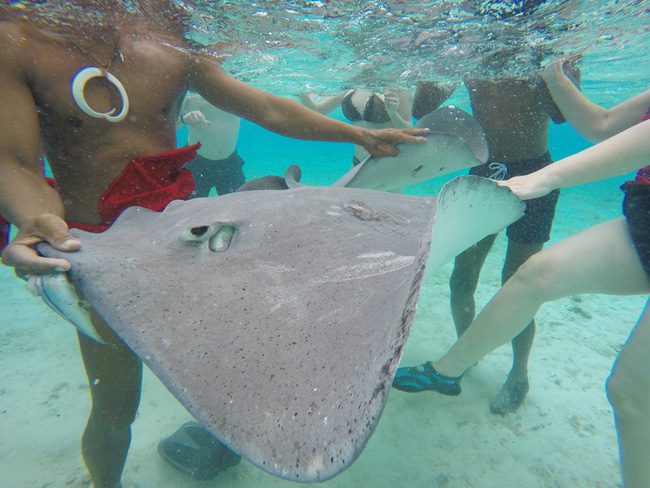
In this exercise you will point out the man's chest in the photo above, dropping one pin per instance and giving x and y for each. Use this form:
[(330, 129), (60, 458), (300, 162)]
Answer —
[(139, 82), (493, 100)]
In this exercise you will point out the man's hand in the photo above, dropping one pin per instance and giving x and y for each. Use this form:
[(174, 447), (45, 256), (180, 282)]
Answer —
[(381, 142), (22, 255), (196, 119)]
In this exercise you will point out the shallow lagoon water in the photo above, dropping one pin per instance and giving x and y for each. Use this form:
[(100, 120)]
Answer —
[(562, 436)]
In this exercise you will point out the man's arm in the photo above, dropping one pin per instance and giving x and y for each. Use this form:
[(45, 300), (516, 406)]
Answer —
[(26, 199), (285, 116), (594, 122)]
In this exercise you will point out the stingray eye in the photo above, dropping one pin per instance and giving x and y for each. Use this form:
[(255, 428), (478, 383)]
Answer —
[(217, 236), (199, 231)]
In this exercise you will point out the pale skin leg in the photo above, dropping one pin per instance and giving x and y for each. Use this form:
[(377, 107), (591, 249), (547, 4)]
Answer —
[(463, 283), (115, 379), (628, 390), (601, 259)]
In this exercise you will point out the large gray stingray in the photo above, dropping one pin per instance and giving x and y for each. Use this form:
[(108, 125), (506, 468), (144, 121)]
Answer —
[(455, 141), (278, 318)]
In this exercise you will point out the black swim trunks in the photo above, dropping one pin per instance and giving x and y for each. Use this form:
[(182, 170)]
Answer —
[(226, 175), (636, 208), (535, 226)]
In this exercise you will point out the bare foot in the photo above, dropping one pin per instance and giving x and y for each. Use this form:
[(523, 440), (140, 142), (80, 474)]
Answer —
[(510, 397)]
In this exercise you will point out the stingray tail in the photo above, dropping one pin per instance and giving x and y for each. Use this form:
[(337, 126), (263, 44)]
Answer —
[(57, 292)]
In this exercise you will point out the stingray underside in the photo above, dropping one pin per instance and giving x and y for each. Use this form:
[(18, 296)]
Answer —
[(455, 141)]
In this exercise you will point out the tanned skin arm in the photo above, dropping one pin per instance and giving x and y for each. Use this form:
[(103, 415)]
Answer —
[(26, 199), (594, 122), (285, 116)]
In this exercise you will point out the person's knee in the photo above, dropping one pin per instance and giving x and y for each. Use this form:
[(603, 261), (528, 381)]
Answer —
[(467, 267), (114, 415), (537, 275), (463, 280), (116, 405), (462, 285), (628, 390)]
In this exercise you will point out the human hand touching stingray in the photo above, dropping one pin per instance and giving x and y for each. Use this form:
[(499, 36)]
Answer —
[(381, 142), (527, 187), (22, 255)]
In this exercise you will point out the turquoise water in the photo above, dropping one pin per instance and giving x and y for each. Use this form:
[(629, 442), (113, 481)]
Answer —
[(562, 436)]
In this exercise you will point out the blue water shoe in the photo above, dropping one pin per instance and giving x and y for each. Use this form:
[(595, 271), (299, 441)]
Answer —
[(424, 377)]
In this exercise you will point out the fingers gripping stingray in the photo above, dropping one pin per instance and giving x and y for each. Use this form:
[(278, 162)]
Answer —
[(278, 317)]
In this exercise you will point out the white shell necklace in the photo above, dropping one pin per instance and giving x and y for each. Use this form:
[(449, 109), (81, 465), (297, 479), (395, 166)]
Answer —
[(86, 74)]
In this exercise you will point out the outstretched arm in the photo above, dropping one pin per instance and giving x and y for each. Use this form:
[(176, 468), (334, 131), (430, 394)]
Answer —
[(285, 116), (26, 199), (594, 122), (615, 156), (322, 105)]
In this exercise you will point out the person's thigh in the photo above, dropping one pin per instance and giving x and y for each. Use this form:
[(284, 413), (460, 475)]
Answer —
[(230, 175), (631, 367), (201, 169), (601, 259)]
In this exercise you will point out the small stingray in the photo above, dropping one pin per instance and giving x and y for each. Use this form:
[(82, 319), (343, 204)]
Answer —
[(456, 141), (278, 318)]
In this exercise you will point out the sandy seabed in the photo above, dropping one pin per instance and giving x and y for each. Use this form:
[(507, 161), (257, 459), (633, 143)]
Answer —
[(562, 436)]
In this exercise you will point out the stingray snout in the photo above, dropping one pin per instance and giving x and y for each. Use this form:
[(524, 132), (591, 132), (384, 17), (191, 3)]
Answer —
[(218, 235)]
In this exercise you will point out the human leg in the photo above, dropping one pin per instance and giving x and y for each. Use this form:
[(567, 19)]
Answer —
[(525, 238), (115, 379), (601, 259), (628, 391), (192, 449), (462, 285), (516, 386), (229, 174), (463, 281), (201, 169)]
